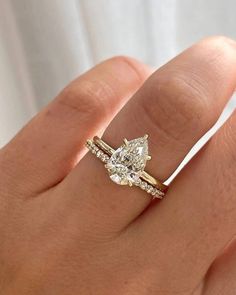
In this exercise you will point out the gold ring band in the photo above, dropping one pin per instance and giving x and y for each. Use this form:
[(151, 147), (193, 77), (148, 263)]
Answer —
[(126, 164), (146, 176)]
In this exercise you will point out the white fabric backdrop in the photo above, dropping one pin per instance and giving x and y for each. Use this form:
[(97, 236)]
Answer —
[(44, 44)]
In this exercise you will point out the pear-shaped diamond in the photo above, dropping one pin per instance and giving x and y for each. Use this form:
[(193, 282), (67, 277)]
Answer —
[(128, 161)]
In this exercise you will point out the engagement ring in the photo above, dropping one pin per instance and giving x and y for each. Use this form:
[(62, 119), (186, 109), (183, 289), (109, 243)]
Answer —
[(126, 165)]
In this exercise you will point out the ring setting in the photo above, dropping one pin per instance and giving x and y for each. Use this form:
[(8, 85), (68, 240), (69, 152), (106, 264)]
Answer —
[(126, 165)]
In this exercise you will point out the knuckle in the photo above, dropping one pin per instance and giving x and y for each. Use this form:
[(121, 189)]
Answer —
[(178, 106), (96, 96), (88, 98), (189, 99)]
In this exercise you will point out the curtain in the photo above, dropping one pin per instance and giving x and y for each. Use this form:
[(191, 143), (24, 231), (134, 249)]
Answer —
[(45, 44)]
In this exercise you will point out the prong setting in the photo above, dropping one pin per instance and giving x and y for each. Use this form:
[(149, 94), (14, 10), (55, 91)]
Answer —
[(126, 141), (126, 165)]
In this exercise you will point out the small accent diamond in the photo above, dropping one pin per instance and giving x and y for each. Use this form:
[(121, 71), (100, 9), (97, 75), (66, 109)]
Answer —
[(138, 182), (154, 192), (143, 185), (99, 154), (150, 189), (94, 149)]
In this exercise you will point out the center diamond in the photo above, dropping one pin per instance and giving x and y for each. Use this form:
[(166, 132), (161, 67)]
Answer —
[(128, 162)]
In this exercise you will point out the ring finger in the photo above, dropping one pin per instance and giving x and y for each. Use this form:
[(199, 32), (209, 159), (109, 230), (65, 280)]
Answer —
[(176, 106)]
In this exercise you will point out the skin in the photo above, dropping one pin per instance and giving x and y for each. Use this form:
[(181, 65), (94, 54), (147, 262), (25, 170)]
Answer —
[(65, 228)]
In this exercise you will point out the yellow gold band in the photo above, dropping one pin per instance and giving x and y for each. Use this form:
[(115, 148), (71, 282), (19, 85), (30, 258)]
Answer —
[(145, 176)]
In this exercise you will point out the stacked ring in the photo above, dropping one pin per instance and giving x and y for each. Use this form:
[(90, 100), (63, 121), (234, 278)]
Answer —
[(126, 164)]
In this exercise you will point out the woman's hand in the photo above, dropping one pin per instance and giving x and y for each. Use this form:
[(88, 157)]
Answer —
[(66, 228)]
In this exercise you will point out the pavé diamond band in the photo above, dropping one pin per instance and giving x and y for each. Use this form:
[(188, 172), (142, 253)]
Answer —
[(126, 164)]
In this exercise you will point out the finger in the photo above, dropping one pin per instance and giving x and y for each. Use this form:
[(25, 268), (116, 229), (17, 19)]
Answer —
[(220, 278), (198, 218), (50, 145), (176, 106)]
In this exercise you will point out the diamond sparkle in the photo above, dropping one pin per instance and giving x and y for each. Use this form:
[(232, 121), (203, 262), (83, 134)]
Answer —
[(127, 163)]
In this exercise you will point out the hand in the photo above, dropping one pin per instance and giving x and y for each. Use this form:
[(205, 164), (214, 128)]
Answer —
[(66, 228)]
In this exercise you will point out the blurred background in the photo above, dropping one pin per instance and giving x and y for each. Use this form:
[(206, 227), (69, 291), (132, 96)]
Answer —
[(45, 44)]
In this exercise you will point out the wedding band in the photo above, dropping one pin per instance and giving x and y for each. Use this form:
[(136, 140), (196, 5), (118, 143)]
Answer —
[(126, 164)]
